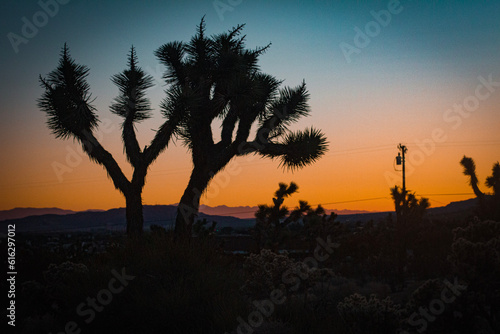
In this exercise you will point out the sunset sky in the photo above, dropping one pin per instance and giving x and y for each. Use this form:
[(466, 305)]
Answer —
[(428, 76)]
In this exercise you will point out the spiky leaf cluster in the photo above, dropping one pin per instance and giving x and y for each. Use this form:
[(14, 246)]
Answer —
[(298, 149), (493, 181), (132, 83), (67, 99), (216, 76), (469, 169)]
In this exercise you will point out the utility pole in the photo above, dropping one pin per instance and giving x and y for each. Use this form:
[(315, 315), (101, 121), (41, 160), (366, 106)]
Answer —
[(401, 226), (401, 160)]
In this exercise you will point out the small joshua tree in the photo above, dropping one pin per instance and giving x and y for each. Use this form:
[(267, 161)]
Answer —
[(489, 205), (272, 222), (409, 210)]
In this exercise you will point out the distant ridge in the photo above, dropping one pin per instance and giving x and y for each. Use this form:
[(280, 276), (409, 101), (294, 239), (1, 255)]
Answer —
[(248, 212), (60, 220), (17, 213), (112, 220)]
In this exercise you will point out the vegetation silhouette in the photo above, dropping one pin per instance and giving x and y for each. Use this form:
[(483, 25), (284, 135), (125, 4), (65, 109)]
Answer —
[(451, 277), (275, 225), (270, 221), (420, 274), (68, 105), (409, 211), (407, 206), (475, 258), (209, 79), (489, 204), (217, 78)]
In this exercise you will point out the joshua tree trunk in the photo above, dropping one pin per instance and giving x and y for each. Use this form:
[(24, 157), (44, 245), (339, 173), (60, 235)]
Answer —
[(190, 202), (479, 194), (135, 220)]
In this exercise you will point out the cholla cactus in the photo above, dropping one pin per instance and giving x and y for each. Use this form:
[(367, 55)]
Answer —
[(371, 315), (425, 293), (475, 252), (59, 273), (265, 271)]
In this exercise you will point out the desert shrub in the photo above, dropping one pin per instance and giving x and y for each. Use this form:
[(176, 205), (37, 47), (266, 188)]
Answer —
[(60, 273), (178, 287), (427, 291), (370, 315), (435, 308), (476, 250), (264, 272), (181, 286), (475, 256)]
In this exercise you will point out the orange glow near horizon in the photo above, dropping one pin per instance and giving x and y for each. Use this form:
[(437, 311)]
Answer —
[(354, 178)]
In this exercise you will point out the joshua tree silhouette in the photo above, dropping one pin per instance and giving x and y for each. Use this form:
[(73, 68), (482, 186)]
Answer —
[(67, 103), (271, 222), (470, 171), (409, 210), (489, 205), (214, 78)]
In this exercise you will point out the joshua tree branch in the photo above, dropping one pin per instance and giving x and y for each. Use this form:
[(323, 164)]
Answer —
[(160, 141), (470, 170), (96, 152), (130, 142), (228, 126)]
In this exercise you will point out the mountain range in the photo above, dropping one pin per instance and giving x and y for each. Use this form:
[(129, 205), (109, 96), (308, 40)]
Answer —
[(243, 212), (45, 220)]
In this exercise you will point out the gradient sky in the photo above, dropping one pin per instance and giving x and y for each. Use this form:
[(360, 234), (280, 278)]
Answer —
[(404, 85)]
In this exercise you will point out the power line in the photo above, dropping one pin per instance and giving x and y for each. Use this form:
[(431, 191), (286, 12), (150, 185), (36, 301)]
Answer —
[(169, 171), (322, 204), (459, 194)]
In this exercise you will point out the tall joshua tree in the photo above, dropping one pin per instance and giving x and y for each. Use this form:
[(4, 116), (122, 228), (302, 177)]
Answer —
[(217, 78), (70, 114)]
